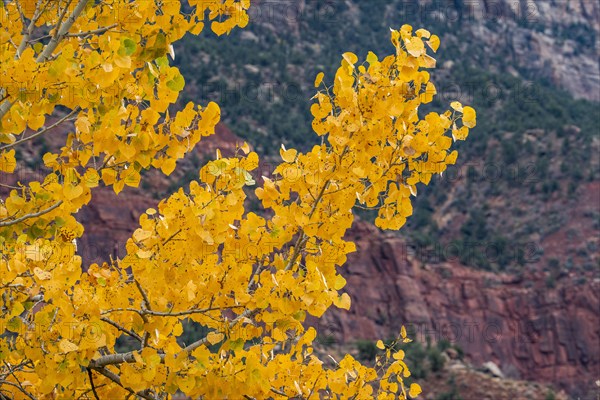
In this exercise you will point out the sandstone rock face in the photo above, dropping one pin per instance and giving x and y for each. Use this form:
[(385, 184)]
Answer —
[(556, 40), (553, 40), (532, 333), (459, 379), (109, 221)]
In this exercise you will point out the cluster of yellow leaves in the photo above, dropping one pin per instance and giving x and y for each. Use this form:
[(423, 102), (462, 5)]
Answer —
[(249, 280), (106, 63)]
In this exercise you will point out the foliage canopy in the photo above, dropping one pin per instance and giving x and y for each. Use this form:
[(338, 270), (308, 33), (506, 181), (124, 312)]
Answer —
[(101, 71)]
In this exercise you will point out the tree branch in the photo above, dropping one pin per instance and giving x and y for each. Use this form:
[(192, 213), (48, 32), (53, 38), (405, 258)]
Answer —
[(116, 379), (170, 314), (26, 393), (61, 33), (279, 392), (27, 33), (41, 131), (18, 385), (121, 328), (91, 376), (33, 215), (92, 32), (114, 359)]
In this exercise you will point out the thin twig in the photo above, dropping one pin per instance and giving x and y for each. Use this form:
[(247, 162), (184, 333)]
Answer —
[(42, 131), (18, 385), (121, 328), (279, 392), (92, 32), (20, 389), (170, 314), (91, 376), (33, 215), (116, 379), (60, 33), (27, 33)]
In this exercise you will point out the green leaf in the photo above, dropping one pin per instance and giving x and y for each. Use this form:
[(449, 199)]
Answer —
[(17, 309), (372, 58), (14, 324), (128, 47), (235, 345), (162, 61), (177, 83), (36, 232)]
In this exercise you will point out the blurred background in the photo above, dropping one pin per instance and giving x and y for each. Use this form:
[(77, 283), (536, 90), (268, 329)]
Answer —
[(497, 274)]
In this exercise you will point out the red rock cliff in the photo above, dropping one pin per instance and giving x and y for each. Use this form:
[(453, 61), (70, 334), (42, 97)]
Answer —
[(530, 331)]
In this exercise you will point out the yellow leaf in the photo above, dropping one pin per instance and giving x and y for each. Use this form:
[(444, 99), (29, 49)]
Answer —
[(168, 166), (41, 274), (451, 158), (7, 138), (132, 178), (72, 191), (198, 27), (343, 301), (427, 61), (67, 346), (14, 325), (469, 117), (245, 148), (434, 42), (414, 390), (214, 337), (186, 383), (288, 155), (394, 37), (456, 106), (427, 95), (191, 289), (460, 134), (415, 47), (319, 79), (177, 329), (17, 309), (108, 176), (118, 186), (340, 282), (7, 161), (144, 253), (91, 178), (350, 58), (138, 358), (218, 28), (122, 61), (423, 33)]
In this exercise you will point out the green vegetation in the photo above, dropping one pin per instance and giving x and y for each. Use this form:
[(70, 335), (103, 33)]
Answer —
[(451, 394)]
